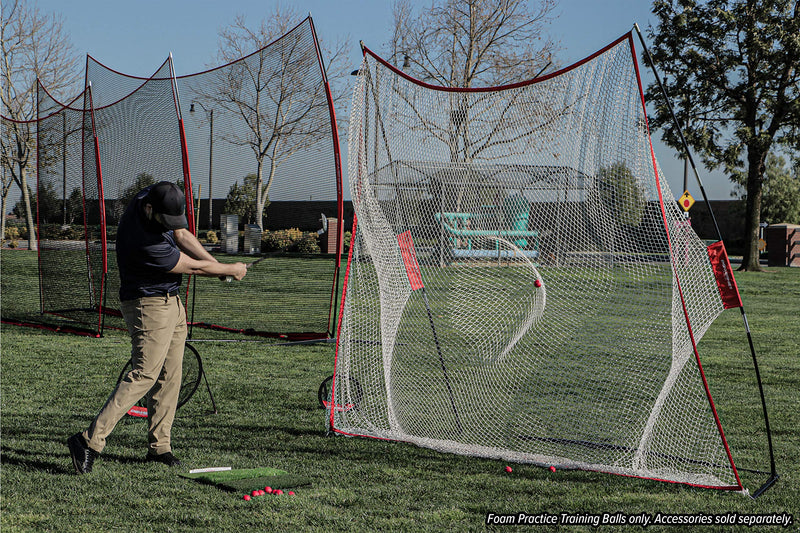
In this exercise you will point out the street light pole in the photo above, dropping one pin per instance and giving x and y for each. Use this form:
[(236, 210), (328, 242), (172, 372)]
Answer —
[(210, 168), (64, 167)]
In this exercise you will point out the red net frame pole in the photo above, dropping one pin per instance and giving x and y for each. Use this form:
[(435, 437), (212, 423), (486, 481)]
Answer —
[(38, 227), (102, 208), (187, 174), (50, 122), (338, 168)]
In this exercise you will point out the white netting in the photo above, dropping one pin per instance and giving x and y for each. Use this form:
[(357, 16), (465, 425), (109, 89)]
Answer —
[(540, 317)]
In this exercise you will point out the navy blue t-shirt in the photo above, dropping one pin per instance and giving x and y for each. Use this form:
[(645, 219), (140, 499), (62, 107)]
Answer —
[(145, 254)]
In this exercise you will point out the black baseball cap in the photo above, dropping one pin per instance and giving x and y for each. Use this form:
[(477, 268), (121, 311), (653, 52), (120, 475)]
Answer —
[(168, 201)]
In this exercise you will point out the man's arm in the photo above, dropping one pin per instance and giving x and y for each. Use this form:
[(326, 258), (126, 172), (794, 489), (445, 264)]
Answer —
[(203, 267), (189, 245)]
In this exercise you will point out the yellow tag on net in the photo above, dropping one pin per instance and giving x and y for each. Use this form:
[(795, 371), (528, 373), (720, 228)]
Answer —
[(686, 201)]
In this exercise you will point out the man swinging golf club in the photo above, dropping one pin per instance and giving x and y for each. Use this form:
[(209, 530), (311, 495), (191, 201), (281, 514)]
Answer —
[(154, 248)]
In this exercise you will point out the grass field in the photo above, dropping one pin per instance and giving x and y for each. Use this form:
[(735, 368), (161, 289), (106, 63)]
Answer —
[(53, 384), (266, 300)]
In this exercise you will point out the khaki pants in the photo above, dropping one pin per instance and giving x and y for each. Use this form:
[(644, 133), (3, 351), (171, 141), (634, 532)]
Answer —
[(157, 326)]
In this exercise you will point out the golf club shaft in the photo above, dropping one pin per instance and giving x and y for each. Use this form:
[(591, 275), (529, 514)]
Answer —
[(248, 265)]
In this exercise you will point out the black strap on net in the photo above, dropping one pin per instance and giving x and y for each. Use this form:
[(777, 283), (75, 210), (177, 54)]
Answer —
[(773, 477)]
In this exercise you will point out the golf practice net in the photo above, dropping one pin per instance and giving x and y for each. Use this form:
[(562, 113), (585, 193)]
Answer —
[(269, 112), (71, 270), (521, 284)]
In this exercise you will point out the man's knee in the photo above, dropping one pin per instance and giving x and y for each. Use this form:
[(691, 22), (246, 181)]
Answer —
[(141, 377)]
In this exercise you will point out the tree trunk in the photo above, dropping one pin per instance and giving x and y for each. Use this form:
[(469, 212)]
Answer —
[(3, 214), (263, 189), (273, 167), (755, 177), (26, 197), (259, 195)]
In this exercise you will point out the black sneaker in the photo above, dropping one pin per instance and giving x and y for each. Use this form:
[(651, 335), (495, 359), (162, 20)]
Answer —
[(82, 456), (167, 458)]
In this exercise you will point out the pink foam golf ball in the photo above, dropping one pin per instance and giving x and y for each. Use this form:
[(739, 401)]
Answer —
[(538, 283), (246, 497), (552, 469), (278, 492), (291, 493), (509, 469), (268, 490)]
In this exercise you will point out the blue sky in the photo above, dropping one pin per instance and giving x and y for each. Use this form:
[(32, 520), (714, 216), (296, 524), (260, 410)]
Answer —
[(135, 37)]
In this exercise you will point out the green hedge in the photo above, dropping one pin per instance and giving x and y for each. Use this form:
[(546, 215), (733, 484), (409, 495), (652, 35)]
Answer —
[(290, 240)]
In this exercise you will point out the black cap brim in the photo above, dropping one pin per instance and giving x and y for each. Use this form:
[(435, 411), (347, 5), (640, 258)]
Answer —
[(174, 221)]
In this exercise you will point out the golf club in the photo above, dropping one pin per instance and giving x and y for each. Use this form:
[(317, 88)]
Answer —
[(248, 265)]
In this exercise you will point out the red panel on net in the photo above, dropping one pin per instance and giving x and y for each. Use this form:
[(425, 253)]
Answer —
[(723, 273), (410, 260)]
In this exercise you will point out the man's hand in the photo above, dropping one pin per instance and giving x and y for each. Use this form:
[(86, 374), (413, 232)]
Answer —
[(238, 271)]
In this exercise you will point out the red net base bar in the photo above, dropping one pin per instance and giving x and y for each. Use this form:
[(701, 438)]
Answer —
[(291, 337)]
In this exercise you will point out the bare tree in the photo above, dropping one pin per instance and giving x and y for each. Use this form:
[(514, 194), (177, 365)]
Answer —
[(283, 106), (33, 45), (468, 44), (465, 43)]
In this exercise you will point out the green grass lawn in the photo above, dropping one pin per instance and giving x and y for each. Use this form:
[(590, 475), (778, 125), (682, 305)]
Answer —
[(282, 294), (53, 384)]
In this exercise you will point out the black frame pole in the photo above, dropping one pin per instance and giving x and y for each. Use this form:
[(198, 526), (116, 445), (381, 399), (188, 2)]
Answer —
[(773, 473), (678, 128), (441, 361)]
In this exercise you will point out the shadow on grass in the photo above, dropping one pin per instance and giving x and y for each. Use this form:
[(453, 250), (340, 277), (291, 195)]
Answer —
[(30, 460)]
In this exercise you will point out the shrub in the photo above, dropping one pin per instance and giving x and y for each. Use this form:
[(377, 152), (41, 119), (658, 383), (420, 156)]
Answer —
[(308, 244), (275, 241), (294, 234), (348, 235), (12, 233), (289, 240), (71, 233), (23, 231)]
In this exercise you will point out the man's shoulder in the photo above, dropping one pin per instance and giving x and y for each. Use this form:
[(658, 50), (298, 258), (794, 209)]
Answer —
[(129, 216), (134, 236)]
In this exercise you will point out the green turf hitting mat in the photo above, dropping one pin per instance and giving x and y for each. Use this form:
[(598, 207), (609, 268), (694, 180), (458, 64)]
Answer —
[(249, 479)]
